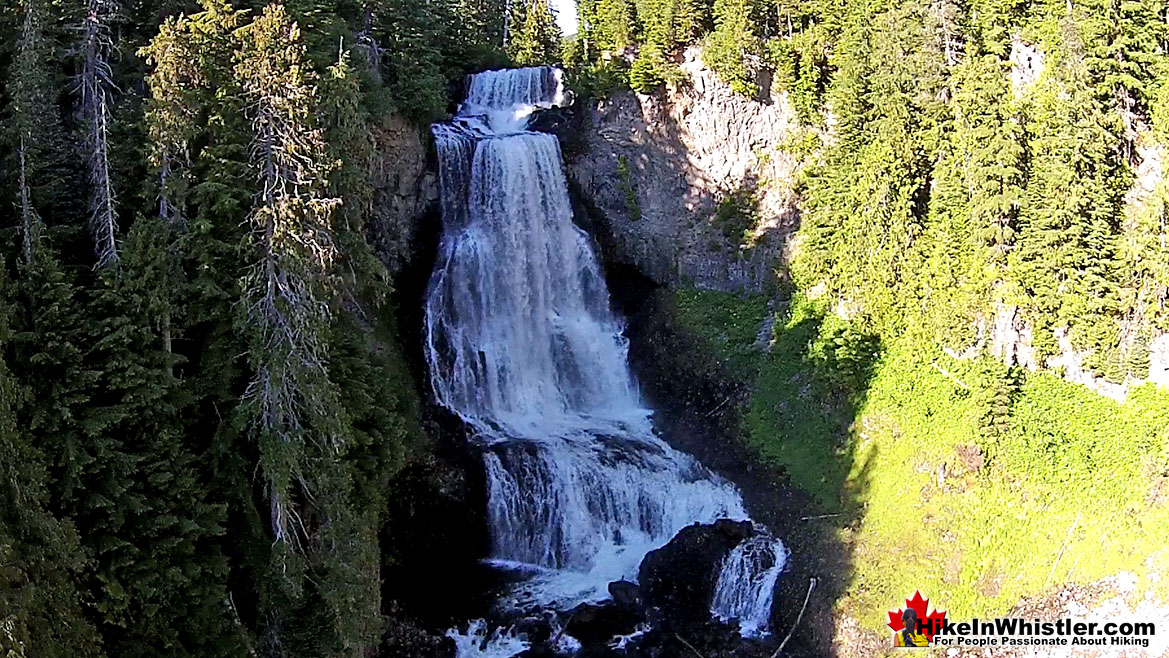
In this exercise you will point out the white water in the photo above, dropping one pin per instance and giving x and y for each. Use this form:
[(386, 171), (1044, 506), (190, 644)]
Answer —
[(522, 344), (746, 583), (478, 642)]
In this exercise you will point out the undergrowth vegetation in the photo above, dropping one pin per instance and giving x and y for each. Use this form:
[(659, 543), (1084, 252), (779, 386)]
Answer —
[(977, 484)]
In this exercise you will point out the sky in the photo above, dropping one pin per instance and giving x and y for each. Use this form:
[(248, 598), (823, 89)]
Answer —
[(565, 15)]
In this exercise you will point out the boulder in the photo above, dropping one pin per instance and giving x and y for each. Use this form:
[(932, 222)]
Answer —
[(594, 625), (677, 581), (626, 595)]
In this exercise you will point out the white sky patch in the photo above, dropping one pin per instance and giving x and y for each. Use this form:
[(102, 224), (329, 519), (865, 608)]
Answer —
[(565, 15)]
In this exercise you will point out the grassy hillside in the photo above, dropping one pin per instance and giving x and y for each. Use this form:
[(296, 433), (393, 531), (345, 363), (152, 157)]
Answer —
[(976, 484)]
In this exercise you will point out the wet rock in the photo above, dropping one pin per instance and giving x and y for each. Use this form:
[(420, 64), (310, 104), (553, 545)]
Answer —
[(403, 637), (563, 122), (708, 640), (537, 630), (626, 595), (678, 580), (595, 625)]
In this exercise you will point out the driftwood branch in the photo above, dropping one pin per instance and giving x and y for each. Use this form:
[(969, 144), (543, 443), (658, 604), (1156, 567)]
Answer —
[(1071, 529), (720, 406), (811, 587), (950, 375), (688, 645), (821, 516)]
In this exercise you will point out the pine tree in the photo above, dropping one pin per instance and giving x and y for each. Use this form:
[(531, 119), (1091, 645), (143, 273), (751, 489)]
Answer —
[(145, 516), (34, 122), (286, 288), (975, 202), (93, 110), (734, 50), (291, 406), (658, 20), (536, 40), (1066, 257), (1123, 42), (43, 563), (348, 134), (611, 24), (866, 204), (414, 70)]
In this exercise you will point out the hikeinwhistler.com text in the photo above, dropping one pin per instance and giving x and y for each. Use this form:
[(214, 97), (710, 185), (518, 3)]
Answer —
[(1013, 631)]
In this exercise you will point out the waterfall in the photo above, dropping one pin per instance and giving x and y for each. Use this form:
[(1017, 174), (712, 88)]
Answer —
[(746, 583), (521, 343)]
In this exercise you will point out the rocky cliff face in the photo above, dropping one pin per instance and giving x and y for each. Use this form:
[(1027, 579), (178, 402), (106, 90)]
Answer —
[(693, 182), (405, 186)]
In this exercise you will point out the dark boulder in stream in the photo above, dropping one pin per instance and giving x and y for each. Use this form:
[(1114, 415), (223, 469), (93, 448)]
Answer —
[(678, 579)]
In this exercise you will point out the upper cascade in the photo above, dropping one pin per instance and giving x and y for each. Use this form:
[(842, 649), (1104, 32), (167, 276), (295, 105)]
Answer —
[(503, 100), (540, 86)]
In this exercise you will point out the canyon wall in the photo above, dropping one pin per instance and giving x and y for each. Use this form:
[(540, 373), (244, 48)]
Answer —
[(694, 182)]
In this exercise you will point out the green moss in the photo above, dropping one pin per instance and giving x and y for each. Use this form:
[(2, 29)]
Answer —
[(623, 173), (976, 484), (737, 214)]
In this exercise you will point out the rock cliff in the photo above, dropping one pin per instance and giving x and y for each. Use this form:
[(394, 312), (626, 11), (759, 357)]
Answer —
[(693, 182), (405, 186)]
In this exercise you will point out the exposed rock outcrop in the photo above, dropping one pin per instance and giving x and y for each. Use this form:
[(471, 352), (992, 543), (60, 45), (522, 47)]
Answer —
[(1027, 63), (658, 168), (678, 579), (405, 186)]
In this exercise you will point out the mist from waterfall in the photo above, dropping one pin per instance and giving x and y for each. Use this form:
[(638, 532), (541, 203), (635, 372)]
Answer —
[(521, 343)]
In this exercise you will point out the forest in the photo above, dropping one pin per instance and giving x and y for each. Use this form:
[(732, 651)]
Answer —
[(205, 394)]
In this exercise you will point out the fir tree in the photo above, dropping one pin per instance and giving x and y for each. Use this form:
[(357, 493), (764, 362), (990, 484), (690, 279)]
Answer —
[(1066, 257), (414, 71), (734, 50), (536, 40), (43, 562), (286, 288), (610, 23), (93, 108), (34, 122)]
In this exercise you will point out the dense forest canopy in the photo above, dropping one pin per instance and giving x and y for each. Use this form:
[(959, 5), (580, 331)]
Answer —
[(202, 398), (201, 394)]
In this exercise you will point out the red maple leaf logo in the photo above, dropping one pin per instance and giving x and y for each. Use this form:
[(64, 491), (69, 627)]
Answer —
[(931, 622)]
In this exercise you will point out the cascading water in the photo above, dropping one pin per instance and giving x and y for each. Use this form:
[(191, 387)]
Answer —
[(746, 583), (522, 344)]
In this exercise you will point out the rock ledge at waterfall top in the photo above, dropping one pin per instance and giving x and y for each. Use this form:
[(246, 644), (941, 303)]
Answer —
[(685, 150)]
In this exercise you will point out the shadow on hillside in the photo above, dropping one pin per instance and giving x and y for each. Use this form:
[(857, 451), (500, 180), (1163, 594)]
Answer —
[(703, 406)]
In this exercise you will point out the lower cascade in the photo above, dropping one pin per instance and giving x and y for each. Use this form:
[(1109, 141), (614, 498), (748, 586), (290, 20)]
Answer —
[(522, 344)]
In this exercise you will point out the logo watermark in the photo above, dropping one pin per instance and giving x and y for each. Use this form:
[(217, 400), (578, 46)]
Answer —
[(916, 625)]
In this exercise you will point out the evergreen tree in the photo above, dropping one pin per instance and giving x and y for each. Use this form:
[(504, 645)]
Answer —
[(93, 109), (1065, 262), (41, 559), (35, 127), (291, 406), (734, 50), (975, 203), (536, 40), (610, 24), (652, 66), (145, 517), (414, 71), (867, 204)]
